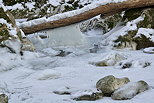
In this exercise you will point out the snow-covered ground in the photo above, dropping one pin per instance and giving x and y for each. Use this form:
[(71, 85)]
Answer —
[(33, 77)]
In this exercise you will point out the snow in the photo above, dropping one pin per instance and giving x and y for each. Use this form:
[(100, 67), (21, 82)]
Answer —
[(30, 5), (33, 77), (14, 7), (120, 30), (2, 5), (55, 2), (34, 80), (149, 50), (68, 14), (130, 90), (12, 31), (149, 33)]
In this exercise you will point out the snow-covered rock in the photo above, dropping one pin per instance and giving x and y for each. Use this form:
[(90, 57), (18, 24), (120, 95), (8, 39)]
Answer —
[(79, 94), (63, 91), (130, 90), (3, 98), (149, 50), (10, 35), (110, 60), (89, 97), (140, 31), (125, 64), (36, 9), (110, 83)]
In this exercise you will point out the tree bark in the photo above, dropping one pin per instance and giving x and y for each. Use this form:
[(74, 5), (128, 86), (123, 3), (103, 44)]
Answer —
[(104, 10)]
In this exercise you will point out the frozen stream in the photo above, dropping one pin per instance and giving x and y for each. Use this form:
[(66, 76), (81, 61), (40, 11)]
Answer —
[(33, 77)]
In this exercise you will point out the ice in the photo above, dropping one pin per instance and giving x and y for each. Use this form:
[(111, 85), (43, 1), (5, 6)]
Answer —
[(66, 37), (60, 38), (33, 77)]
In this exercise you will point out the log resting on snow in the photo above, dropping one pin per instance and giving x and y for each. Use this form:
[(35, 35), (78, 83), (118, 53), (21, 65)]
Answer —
[(104, 10)]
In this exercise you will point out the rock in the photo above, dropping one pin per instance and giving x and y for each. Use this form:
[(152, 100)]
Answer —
[(63, 91), (110, 83), (8, 30), (142, 36), (134, 64), (127, 65), (80, 94), (90, 97), (41, 8), (149, 50), (110, 60), (27, 45), (10, 35), (63, 53), (108, 23), (3, 98), (130, 90), (94, 49)]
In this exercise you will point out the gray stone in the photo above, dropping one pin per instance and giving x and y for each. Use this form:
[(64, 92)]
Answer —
[(110, 83), (130, 90), (90, 97), (9, 32), (94, 49), (134, 38), (110, 60), (3, 98)]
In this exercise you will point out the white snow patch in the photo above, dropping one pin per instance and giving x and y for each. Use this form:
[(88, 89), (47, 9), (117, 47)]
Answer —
[(14, 7), (149, 33), (30, 5), (50, 51), (47, 75), (149, 50)]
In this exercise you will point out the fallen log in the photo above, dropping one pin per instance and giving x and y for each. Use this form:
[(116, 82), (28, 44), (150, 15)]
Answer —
[(104, 10)]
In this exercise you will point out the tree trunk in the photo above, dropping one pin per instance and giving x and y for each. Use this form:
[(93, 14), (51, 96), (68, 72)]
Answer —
[(104, 10)]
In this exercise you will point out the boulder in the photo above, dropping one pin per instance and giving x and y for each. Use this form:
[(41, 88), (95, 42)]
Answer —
[(101, 23), (110, 83), (149, 50), (134, 64), (10, 35), (110, 60), (109, 22), (3, 98), (141, 36), (89, 97), (130, 90)]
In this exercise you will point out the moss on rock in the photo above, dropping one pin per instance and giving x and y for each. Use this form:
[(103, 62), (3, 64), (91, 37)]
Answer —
[(143, 42), (13, 2), (148, 22), (132, 14), (4, 15), (4, 33), (109, 23), (7, 25)]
